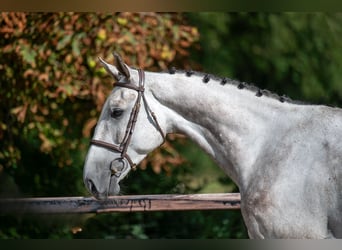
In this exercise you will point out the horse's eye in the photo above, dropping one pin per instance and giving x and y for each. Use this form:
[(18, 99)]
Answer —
[(116, 113)]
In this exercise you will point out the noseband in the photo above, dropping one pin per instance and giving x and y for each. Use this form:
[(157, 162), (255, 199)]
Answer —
[(122, 148)]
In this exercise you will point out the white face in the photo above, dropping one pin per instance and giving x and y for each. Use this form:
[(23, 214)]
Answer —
[(104, 168)]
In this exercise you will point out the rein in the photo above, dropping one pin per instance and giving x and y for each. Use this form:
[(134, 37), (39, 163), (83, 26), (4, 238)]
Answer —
[(122, 148)]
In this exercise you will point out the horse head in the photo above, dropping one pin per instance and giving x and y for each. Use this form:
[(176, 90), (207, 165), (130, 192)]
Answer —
[(126, 131)]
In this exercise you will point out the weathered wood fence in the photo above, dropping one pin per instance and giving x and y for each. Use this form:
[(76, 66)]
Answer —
[(128, 203)]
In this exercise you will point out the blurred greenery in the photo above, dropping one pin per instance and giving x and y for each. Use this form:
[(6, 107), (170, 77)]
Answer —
[(53, 88), (297, 54)]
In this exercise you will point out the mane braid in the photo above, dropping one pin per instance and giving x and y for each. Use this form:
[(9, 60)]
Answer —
[(206, 78), (189, 73), (259, 93), (240, 85), (172, 70), (224, 81)]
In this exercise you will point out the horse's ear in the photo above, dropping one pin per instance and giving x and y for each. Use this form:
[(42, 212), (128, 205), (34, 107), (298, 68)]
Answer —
[(118, 71), (122, 67), (111, 69)]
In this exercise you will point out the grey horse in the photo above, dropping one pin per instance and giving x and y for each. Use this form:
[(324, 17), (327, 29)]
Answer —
[(285, 157)]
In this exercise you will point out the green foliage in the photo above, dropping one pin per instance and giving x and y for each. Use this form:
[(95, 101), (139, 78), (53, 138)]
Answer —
[(165, 225), (297, 54)]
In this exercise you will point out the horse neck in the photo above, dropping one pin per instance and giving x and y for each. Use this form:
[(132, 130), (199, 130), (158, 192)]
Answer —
[(229, 123)]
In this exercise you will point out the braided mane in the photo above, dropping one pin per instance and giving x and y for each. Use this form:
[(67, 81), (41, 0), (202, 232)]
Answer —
[(240, 85)]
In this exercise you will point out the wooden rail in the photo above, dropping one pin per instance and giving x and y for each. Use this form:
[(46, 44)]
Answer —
[(128, 203)]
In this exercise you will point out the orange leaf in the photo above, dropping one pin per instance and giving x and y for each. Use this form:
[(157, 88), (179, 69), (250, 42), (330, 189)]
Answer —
[(88, 127), (20, 112)]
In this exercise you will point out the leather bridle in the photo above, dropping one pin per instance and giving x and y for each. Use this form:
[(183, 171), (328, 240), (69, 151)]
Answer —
[(122, 148)]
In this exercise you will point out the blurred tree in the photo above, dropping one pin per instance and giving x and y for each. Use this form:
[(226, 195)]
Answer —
[(297, 54)]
